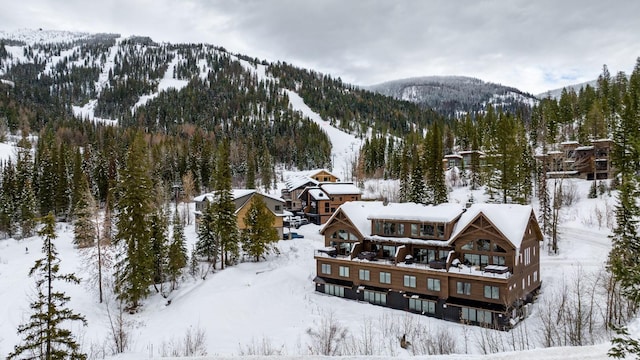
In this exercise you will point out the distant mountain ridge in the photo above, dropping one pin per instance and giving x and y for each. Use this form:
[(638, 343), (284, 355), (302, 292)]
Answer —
[(555, 93), (452, 95)]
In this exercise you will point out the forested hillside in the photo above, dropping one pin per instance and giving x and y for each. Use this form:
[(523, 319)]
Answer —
[(452, 96)]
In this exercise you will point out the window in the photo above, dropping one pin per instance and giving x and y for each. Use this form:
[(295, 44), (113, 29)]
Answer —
[(344, 235), (528, 280), (535, 276), (527, 256), (423, 306), (400, 229), (278, 208), (491, 292), (344, 271), (409, 281), (414, 229), (426, 230), (388, 251), (389, 228), (421, 256), (498, 248), (476, 315), (440, 230), (364, 274), (326, 269), (334, 290), (385, 277), (483, 245), (467, 246), (498, 260), (375, 297), (377, 227), (463, 288), (475, 259), (433, 284), (326, 207)]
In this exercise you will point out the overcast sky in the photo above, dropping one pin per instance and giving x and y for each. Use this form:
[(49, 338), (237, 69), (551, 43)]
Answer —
[(534, 45)]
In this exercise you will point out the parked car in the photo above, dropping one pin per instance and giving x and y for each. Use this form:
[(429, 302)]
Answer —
[(292, 235), (295, 221)]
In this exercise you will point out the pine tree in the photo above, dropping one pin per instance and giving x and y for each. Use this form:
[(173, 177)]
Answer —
[(177, 257), (208, 244), (84, 230), (159, 245), (259, 235), (418, 188), (405, 179), (7, 195), (134, 268), (623, 257), (226, 224), (436, 188), (46, 335)]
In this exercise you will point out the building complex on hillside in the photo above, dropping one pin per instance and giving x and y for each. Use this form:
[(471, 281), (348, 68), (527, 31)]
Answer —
[(590, 162), (317, 194), (478, 265)]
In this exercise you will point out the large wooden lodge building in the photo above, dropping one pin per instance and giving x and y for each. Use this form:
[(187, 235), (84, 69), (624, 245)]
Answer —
[(477, 265)]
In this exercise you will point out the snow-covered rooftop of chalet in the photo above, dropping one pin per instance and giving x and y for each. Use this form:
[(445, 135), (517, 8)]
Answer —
[(466, 152), (588, 147), (317, 193), (296, 181), (510, 219), (601, 140), (235, 194), (339, 188), (572, 142), (457, 156), (442, 213), (361, 213)]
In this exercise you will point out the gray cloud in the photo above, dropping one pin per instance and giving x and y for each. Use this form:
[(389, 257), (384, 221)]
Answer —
[(533, 45)]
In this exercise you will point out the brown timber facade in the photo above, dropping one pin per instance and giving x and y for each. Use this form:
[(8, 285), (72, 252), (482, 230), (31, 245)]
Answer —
[(465, 265)]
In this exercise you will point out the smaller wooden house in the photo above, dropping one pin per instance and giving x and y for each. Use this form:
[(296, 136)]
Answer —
[(321, 201), (242, 199)]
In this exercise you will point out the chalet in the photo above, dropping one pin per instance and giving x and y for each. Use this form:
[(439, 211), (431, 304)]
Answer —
[(589, 162), (242, 199), (321, 201), (464, 159), (297, 182), (478, 265)]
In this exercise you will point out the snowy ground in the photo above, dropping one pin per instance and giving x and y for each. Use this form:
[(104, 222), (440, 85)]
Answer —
[(274, 301)]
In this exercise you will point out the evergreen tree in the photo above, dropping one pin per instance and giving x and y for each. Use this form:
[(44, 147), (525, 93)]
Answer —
[(405, 179), (25, 192), (177, 257), (623, 257), (159, 244), (7, 196), (226, 225), (134, 268), (84, 230), (418, 188), (46, 335), (208, 244), (436, 188), (259, 234)]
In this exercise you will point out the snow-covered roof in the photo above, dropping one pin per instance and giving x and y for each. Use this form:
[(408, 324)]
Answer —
[(442, 213), (457, 156), (317, 193), (297, 181), (510, 219), (362, 212), (601, 140), (235, 194), (573, 142), (588, 147), (332, 188)]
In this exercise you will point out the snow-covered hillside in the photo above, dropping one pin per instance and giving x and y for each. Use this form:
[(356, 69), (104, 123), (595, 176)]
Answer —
[(253, 307)]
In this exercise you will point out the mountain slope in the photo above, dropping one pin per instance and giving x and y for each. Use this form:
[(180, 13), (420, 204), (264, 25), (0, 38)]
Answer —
[(451, 95)]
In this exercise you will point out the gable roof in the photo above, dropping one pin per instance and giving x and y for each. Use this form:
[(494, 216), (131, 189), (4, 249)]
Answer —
[(362, 212), (509, 219), (235, 195), (339, 188)]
